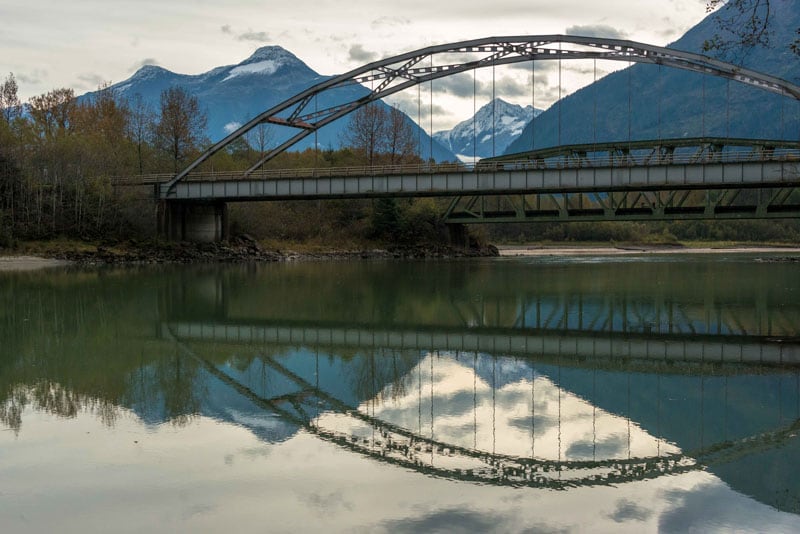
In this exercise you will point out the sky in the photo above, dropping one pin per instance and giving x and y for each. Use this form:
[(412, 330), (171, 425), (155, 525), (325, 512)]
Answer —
[(81, 44)]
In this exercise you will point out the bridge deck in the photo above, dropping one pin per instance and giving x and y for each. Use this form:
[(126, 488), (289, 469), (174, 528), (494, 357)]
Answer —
[(500, 178), (723, 349)]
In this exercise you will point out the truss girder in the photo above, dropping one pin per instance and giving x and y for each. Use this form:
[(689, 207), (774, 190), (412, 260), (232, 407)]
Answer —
[(501, 50), (656, 152), (644, 205)]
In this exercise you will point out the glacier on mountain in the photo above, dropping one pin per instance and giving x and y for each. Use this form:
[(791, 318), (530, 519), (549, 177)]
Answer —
[(265, 67)]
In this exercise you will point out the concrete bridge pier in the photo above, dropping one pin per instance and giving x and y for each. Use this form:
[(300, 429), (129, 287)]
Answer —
[(458, 235), (201, 222)]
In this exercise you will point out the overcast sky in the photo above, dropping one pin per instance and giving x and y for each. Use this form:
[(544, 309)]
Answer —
[(83, 43)]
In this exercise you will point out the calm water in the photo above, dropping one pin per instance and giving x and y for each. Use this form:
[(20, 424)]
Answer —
[(591, 394)]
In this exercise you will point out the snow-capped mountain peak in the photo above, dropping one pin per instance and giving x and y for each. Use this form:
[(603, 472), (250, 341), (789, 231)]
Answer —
[(489, 132), (148, 72), (233, 94), (265, 61), (271, 53)]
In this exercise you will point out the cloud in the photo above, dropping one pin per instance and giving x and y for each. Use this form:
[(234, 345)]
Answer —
[(259, 37), (327, 504), (231, 127), (139, 64), (249, 35), (714, 506), (540, 67), (92, 80), (359, 54), (463, 86), (34, 77), (389, 21), (629, 510), (510, 87), (462, 521), (584, 69), (597, 30), (460, 85), (454, 520)]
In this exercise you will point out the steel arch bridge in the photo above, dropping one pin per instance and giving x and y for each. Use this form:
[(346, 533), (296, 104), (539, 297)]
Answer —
[(397, 73), (655, 189)]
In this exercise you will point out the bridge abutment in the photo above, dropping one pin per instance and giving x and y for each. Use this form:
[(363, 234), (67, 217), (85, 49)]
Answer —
[(201, 222)]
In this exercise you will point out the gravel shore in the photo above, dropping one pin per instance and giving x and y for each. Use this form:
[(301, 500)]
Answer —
[(250, 251), (29, 263), (523, 251)]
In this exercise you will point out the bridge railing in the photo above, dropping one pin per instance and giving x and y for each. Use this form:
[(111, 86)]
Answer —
[(564, 161)]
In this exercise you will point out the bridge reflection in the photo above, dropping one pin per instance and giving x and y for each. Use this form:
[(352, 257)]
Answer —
[(511, 421), (538, 383), (556, 345)]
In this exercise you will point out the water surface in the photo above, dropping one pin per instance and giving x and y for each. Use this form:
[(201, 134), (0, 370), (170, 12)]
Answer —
[(545, 394)]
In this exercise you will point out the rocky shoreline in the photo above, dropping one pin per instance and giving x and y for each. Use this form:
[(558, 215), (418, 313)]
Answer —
[(244, 249)]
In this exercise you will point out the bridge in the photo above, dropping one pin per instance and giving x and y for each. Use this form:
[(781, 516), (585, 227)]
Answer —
[(662, 179)]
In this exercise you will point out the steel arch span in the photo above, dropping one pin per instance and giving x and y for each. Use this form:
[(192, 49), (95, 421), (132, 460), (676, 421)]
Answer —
[(394, 74)]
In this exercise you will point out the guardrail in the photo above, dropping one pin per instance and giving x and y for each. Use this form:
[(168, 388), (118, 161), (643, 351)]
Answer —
[(572, 161)]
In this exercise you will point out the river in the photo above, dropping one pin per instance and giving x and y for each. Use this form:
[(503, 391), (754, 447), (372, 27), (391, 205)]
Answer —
[(545, 394)]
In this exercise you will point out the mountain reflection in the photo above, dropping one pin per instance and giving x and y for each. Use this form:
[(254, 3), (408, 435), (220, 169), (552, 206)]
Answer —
[(542, 374)]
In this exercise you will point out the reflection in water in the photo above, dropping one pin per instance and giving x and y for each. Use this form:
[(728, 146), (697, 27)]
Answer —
[(505, 373)]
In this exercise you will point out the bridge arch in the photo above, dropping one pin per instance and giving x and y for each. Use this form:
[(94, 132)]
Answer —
[(397, 73)]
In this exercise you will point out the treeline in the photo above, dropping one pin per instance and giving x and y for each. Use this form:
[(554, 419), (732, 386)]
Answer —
[(60, 154), (754, 231)]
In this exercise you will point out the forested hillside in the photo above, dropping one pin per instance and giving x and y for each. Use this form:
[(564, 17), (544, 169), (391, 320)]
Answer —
[(64, 162)]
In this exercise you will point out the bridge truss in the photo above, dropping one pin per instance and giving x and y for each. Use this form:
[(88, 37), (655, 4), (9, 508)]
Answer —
[(677, 197), (392, 75)]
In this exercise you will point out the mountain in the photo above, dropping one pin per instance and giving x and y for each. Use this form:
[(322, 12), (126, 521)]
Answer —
[(670, 103), (233, 94), (491, 130)]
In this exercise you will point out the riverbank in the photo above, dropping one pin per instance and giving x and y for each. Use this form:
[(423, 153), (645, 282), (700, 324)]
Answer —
[(242, 249), (29, 263), (32, 256), (595, 250)]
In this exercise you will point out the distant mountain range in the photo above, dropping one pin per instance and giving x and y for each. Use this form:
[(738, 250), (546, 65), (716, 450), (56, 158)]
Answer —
[(489, 132), (663, 102), (670, 103), (233, 94)]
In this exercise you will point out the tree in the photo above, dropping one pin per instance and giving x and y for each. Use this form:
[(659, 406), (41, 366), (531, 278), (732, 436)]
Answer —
[(260, 138), (366, 132), (140, 127), (379, 134), (180, 129), (10, 106), (53, 113), (401, 145), (744, 24)]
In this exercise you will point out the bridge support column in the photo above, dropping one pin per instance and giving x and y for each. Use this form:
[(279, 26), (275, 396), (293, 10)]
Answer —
[(458, 235), (201, 222)]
